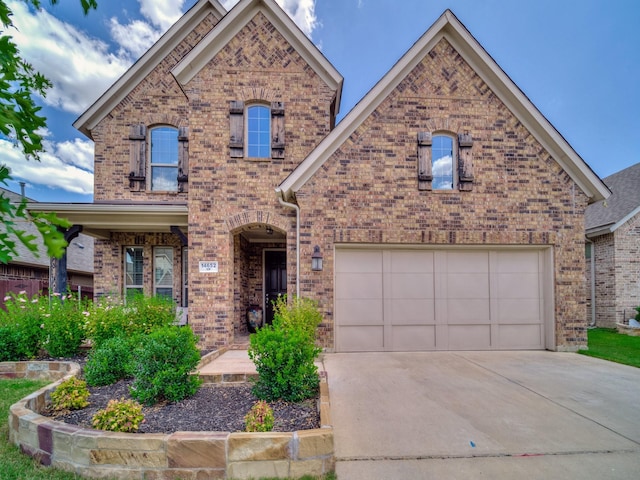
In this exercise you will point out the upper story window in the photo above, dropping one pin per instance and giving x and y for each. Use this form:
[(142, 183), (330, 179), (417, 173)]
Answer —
[(164, 159), (258, 131), (443, 162)]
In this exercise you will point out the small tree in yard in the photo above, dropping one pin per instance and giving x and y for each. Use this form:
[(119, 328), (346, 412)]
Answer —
[(284, 352)]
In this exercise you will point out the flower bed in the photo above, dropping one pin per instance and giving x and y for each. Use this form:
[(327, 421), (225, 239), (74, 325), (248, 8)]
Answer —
[(185, 455)]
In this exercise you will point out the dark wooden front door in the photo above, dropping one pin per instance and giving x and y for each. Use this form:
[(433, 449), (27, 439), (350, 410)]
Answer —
[(275, 279)]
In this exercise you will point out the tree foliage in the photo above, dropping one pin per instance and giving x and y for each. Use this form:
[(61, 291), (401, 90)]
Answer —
[(21, 122)]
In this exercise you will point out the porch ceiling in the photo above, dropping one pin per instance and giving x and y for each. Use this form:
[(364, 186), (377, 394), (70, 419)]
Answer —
[(101, 219)]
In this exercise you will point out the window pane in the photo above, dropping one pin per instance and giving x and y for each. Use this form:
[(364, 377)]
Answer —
[(163, 270), (442, 155), (133, 267), (164, 146), (258, 132), (164, 179)]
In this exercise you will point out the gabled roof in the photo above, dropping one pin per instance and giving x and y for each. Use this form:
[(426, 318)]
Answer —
[(623, 204), (146, 63), (235, 20), (450, 28)]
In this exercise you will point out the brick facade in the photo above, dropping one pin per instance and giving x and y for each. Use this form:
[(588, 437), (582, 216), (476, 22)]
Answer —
[(366, 192)]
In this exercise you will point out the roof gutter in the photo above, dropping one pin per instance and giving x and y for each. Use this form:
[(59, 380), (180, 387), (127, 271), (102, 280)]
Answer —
[(295, 207)]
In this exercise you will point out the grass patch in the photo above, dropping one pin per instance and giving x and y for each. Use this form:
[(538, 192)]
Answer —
[(13, 464), (608, 344)]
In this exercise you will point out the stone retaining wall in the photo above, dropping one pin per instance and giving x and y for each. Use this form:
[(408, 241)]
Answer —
[(180, 455)]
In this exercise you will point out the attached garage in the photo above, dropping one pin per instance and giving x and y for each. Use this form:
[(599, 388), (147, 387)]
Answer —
[(416, 299)]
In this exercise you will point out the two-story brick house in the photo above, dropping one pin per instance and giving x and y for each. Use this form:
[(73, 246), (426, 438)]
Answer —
[(446, 211)]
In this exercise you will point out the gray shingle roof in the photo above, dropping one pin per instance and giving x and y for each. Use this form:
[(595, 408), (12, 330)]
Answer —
[(79, 252), (624, 200)]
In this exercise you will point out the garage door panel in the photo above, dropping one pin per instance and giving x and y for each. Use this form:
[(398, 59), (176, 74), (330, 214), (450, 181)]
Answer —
[(518, 285), (467, 285), (468, 311), (411, 312), (359, 285), (517, 261), (467, 262), (413, 338), (360, 339), (360, 312), (411, 261), (520, 336), (518, 311), (360, 261), (411, 285), (469, 337)]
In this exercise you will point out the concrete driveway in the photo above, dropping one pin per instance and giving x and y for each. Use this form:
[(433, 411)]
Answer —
[(497, 415)]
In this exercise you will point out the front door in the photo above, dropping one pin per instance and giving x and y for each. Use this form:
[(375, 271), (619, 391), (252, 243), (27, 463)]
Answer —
[(275, 279)]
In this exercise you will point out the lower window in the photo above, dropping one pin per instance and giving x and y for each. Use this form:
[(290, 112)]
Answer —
[(163, 271)]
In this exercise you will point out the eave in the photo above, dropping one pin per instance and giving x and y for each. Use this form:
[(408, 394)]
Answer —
[(599, 230), (99, 220), (451, 29), (234, 21), (146, 63)]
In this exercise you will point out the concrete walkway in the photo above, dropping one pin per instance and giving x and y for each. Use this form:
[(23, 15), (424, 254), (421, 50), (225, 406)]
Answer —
[(498, 415)]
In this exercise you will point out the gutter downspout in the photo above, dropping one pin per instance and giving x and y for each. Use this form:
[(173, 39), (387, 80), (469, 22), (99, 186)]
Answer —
[(297, 209), (593, 283)]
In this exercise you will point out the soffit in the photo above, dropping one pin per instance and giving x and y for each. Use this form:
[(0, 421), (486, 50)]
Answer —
[(100, 220), (146, 63), (235, 20), (451, 29)]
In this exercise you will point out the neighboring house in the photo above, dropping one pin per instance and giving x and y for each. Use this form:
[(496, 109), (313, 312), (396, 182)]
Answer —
[(445, 210), (613, 250), (30, 273)]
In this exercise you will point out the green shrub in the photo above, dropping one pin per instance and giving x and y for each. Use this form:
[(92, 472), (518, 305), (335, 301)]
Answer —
[(9, 341), (24, 316), (63, 326), (110, 361), (72, 394), (119, 416), (259, 418), (139, 315), (163, 363), (284, 353), (638, 315)]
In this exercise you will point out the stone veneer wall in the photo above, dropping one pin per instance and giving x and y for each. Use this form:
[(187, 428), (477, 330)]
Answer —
[(180, 455)]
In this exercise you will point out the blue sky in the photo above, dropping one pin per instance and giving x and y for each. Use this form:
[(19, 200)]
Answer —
[(578, 61)]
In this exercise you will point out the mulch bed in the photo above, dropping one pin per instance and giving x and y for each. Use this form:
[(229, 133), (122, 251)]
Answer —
[(214, 408)]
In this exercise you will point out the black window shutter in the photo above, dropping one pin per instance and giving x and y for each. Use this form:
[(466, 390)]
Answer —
[(277, 130), (183, 159), (137, 157), (425, 175), (236, 127)]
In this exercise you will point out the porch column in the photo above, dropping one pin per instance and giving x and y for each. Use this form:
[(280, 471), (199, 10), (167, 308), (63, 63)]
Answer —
[(58, 266)]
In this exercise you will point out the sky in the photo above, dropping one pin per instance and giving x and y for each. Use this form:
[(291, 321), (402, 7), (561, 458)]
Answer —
[(578, 61)]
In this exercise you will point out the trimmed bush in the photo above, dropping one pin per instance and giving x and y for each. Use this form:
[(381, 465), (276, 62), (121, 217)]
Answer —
[(163, 363), (284, 353), (259, 418), (109, 362), (72, 394), (119, 416)]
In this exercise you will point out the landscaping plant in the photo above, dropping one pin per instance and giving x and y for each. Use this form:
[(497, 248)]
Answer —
[(163, 365), (119, 416), (63, 324), (23, 317), (71, 394), (110, 361), (284, 352), (259, 418)]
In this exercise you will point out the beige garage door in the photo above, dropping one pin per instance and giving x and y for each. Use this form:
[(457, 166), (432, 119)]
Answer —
[(412, 300)]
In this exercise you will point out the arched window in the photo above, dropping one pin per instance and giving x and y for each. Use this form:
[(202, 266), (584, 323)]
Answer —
[(164, 159), (258, 131), (443, 162)]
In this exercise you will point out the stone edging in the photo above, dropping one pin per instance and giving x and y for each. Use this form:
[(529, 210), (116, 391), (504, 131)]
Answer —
[(627, 330), (149, 456)]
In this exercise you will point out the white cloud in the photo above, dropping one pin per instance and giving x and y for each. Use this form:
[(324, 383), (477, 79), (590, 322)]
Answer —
[(62, 168), (162, 13), (301, 11), (80, 67)]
